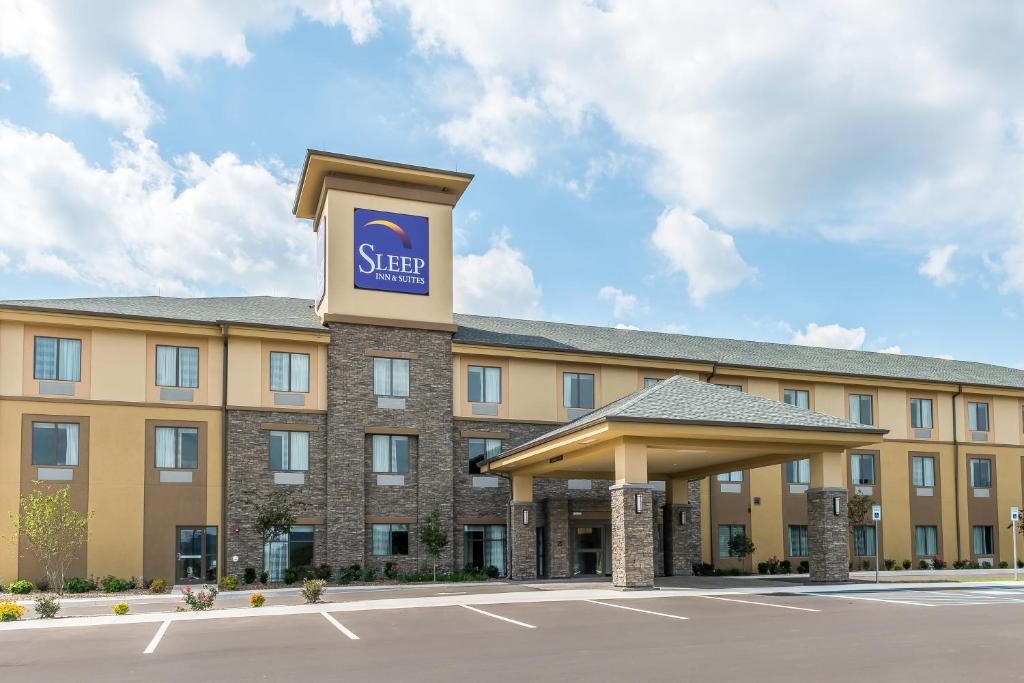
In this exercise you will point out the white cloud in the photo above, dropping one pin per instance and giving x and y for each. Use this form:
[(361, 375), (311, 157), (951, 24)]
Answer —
[(496, 282), (936, 265), (623, 326), (622, 304), (708, 257), (892, 349), (5, 86), (147, 225), (832, 336), (675, 328), (5, 260)]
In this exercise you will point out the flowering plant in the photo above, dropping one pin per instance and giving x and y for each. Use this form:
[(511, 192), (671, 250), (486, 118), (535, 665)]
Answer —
[(199, 600)]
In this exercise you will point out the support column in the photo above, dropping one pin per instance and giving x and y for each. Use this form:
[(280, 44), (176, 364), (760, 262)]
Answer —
[(522, 531), (632, 502), (682, 527), (828, 525), (557, 538)]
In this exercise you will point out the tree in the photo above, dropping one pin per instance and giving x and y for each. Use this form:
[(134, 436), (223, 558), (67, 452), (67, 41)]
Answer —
[(741, 545), (53, 531), (857, 509), (433, 537), (273, 513)]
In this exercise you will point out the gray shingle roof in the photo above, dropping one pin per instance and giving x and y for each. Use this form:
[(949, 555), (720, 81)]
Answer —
[(270, 311), (682, 400), (548, 336)]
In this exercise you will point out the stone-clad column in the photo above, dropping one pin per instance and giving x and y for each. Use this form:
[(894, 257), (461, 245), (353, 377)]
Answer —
[(522, 532), (632, 536), (682, 526), (557, 538), (828, 524)]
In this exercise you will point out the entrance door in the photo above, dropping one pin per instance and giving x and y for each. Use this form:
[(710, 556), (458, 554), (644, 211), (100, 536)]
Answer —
[(196, 555), (589, 550)]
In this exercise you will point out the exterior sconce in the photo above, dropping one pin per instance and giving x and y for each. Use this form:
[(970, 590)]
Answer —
[(837, 506), (639, 498), (526, 516), (682, 516)]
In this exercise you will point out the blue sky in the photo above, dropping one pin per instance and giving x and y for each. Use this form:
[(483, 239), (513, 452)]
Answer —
[(842, 176)]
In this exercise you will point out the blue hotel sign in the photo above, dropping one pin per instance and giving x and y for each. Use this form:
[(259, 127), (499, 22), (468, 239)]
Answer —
[(391, 252)]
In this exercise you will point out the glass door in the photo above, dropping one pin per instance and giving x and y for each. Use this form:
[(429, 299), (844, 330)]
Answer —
[(588, 551), (196, 555)]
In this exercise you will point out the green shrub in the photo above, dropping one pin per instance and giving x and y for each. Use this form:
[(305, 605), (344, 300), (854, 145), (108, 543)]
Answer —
[(229, 583), (890, 565), (43, 585), (907, 564), (290, 576), (369, 574), (158, 586), (703, 569), (804, 567), (115, 584), (865, 565), (348, 574), (312, 589), (325, 572), (491, 571), (10, 611), (923, 565), (200, 600), (938, 563), (47, 606), (391, 570), (20, 587), (120, 609), (79, 585), (250, 576), (762, 567), (264, 577), (785, 566), (256, 599)]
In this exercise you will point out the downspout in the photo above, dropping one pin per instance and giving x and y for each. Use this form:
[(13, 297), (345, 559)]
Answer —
[(713, 537), (956, 472), (224, 450)]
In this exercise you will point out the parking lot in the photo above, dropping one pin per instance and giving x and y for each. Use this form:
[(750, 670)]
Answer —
[(886, 635)]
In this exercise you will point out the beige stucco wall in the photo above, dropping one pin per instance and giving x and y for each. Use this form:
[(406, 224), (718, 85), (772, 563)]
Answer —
[(12, 336), (119, 365)]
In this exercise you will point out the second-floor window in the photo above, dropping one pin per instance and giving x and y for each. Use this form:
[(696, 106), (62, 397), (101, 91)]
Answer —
[(650, 382), (289, 371), (731, 476), (981, 473), (577, 390), (921, 413), (57, 359), (390, 454), (289, 451), (177, 448), (54, 443), (862, 469), (798, 471), (923, 470), (482, 450), (391, 377), (861, 406), (177, 366), (977, 416), (484, 384), (801, 398)]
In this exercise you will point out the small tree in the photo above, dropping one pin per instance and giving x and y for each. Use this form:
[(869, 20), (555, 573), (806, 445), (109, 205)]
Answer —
[(433, 537), (273, 513), (740, 546), (857, 509), (54, 532)]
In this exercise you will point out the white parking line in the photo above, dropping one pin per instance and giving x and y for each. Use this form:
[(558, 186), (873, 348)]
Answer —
[(337, 625), (498, 616), (635, 609), (151, 648), (763, 604), (847, 596)]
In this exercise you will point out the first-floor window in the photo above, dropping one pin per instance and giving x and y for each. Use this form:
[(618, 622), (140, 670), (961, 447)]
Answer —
[(390, 539), (485, 546), (289, 451), (798, 471), (54, 443), (482, 450), (726, 532), (982, 540), (390, 454), (177, 448), (797, 540), (731, 476), (293, 550), (864, 540), (926, 540)]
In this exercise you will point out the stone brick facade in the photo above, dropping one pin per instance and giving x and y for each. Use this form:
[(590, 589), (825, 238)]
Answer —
[(249, 477), (828, 536), (683, 548), (632, 536), (522, 540)]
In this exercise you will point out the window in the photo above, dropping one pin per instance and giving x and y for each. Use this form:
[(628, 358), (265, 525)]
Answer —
[(982, 541), (650, 382), (861, 409), (726, 532), (798, 471), (390, 539), (177, 448), (485, 546), (390, 377), (289, 451), (864, 540), (977, 416), (734, 387), (59, 359), (177, 366), (577, 390), (862, 469), (54, 443), (289, 371), (797, 540), (293, 550), (921, 413), (801, 398), (731, 476), (484, 384), (926, 540), (923, 470), (482, 450), (981, 472), (390, 454)]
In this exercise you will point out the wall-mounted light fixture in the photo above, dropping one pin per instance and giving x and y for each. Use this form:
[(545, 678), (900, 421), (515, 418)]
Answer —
[(682, 516), (837, 505), (526, 515), (639, 498)]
